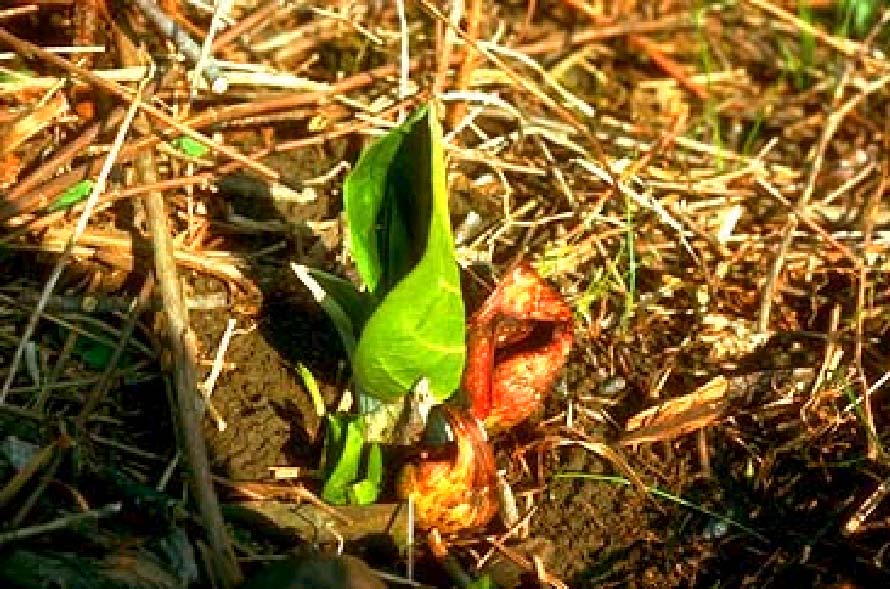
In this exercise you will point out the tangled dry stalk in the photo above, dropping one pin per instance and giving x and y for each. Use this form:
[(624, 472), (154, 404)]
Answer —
[(705, 183)]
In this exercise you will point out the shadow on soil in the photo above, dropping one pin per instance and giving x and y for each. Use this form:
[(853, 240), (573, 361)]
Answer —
[(269, 412)]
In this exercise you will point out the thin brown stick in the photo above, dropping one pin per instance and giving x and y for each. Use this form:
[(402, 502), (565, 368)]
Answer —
[(23, 191), (558, 41), (42, 195), (18, 481), (809, 222), (140, 303), (11, 12), (846, 46), (241, 28), (37, 492), (831, 126), (30, 194), (119, 251), (526, 84), (470, 59), (667, 65), (529, 86), (42, 222), (346, 128), (180, 340), (875, 449), (78, 230), (647, 46), (60, 523)]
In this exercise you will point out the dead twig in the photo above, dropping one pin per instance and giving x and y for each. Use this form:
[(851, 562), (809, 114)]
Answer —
[(29, 50), (138, 304), (831, 126), (180, 340), (40, 459), (875, 448), (184, 43), (60, 523), (69, 246)]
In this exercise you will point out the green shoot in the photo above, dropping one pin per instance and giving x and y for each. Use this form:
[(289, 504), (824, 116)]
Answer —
[(313, 390)]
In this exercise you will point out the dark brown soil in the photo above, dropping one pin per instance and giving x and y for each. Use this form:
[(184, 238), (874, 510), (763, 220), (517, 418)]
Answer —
[(741, 523), (270, 416), (596, 531)]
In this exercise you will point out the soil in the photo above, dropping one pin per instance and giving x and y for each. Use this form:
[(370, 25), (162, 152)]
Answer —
[(736, 524), (270, 417)]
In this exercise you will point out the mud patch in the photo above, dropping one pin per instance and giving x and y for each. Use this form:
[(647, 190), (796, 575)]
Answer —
[(270, 417)]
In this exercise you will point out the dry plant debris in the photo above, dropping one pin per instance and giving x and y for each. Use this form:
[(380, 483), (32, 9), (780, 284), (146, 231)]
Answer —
[(704, 184)]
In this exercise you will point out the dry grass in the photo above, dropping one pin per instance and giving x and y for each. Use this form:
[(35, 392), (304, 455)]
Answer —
[(705, 182)]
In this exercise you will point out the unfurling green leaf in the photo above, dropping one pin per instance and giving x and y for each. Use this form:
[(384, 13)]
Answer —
[(356, 305), (409, 325), (341, 319), (345, 454), (397, 210), (369, 193)]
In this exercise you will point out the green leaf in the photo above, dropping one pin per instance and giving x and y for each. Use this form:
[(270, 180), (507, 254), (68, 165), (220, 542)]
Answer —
[(397, 209), (97, 355), (345, 454), (73, 195), (357, 305), (483, 582), (10, 76), (366, 491), (342, 457), (340, 318), (190, 147), (312, 388), (375, 194)]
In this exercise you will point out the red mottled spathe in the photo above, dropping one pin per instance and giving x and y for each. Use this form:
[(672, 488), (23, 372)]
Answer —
[(504, 388), (456, 492)]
